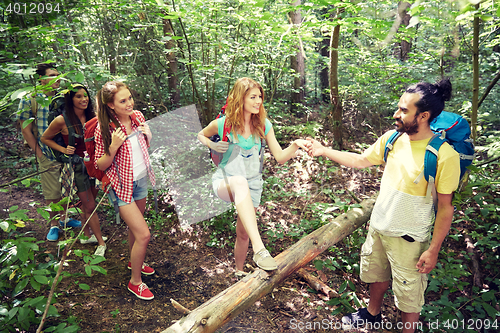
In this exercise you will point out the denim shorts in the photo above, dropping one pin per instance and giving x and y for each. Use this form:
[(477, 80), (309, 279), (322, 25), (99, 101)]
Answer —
[(254, 185), (139, 188)]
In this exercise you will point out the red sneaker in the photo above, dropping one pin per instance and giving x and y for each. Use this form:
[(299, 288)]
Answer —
[(141, 291), (146, 270)]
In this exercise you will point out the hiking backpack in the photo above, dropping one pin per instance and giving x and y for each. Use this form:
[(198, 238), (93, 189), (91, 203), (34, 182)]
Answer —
[(216, 156), (57, 108), (89, 138), (448, 127)]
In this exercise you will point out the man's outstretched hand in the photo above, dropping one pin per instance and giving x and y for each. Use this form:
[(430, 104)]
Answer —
[(315, 148)]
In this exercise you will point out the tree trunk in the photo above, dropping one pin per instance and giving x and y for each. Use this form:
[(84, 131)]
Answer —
[(297, 63), (471, 250), (173, 88), (475, 76), (223, 307), (336, 102), (323, 74), (405, 46), (82, 47), (109, 36)]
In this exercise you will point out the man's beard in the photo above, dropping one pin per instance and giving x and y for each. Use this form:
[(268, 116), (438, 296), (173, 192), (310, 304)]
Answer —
[(409, 129)]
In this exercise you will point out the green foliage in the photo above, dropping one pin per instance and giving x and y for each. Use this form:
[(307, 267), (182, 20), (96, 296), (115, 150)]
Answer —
[(163, 219), (215, 42), (26, 269), (222, 229), (285, 132), (347, 297), (462, 303), (210, 44), (115, 313)]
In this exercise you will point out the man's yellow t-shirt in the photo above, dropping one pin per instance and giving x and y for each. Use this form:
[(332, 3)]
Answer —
[(401, 208)]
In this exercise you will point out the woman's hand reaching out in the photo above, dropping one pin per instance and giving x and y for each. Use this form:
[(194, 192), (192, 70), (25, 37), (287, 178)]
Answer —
[(315, 148)]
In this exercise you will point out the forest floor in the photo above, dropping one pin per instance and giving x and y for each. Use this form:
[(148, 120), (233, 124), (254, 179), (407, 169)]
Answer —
[(189, 271)]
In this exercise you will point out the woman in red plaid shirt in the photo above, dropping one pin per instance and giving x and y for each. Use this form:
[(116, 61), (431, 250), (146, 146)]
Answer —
[(122, 138)]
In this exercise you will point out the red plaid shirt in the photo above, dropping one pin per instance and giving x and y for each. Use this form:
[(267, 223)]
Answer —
[(120, 172)]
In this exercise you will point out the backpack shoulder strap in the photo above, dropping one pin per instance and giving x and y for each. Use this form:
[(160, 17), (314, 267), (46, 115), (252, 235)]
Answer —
[(89, 129), (430, 167), (263, 140), (135, 119), (261, 152), (71, 130), (431, 155), (225, 131), (389, 145), (34, 111)]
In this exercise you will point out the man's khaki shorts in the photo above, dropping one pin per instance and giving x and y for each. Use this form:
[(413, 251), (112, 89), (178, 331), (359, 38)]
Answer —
[(384, 256), (51, 187)]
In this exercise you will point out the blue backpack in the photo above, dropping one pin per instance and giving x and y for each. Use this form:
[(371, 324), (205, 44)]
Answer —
[(448, 127)]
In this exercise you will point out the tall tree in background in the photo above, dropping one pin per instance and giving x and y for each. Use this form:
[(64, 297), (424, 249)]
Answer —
[(335, 100), (475, 74), (324, 73), (111, 36), (297, 64), (173, 87), (404, 46)]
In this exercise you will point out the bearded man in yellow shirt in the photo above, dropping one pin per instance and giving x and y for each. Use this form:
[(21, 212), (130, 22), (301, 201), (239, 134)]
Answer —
[(399, 243)]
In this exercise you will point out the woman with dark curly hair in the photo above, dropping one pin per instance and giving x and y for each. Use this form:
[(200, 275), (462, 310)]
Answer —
[(78, 110)]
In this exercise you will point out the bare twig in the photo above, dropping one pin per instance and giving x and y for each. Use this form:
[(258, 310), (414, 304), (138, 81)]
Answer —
[(179, 307), (487, 162), (351, 193), (51, 293), (28, 176), (9, 151), (61, 265), (474, 257), (317, 284)]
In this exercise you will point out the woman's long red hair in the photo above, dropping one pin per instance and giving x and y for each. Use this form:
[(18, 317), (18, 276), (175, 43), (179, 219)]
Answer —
[(234, 110)]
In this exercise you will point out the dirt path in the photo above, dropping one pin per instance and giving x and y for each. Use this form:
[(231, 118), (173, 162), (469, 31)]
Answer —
[(187, 270)]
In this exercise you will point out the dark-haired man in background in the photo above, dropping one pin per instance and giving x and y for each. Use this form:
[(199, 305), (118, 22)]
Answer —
[(50, 168), (399, 241)]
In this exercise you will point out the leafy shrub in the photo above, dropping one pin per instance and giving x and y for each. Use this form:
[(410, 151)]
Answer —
[(26, 269)]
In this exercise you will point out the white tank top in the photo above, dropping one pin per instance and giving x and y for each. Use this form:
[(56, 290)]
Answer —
[(137, 157)]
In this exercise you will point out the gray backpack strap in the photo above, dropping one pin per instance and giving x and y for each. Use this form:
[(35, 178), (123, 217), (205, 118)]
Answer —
[(261, 154), (71, 130)]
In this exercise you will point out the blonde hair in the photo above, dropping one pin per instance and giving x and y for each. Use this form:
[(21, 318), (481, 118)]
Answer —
[(105, 114), (235, 103)]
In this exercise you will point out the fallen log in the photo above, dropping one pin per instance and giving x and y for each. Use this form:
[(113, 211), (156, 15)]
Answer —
[(223, 307), (317, 284)]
